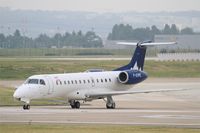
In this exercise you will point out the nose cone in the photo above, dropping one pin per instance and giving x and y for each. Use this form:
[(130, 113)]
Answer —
[(19, 92), (16, 94)]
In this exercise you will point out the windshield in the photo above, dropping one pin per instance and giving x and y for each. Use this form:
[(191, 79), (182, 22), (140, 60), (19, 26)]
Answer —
[(32, 81)]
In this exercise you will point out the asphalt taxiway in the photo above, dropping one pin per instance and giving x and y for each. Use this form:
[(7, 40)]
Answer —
[(177, 108)]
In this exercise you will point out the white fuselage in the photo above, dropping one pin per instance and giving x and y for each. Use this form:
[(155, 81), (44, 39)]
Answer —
[(70, 86)]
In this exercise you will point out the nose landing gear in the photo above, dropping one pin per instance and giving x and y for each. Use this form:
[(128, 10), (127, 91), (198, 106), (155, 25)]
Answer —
[(26, 107)]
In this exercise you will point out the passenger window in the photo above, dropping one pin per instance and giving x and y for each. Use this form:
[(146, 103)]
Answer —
[(65, 82), (105, 80), (102, 80), (75, 81), (84, 81), (68, 82), (72, 81), (88, 81), (42, 82), (110, 80), (80, 81), (97, 81)]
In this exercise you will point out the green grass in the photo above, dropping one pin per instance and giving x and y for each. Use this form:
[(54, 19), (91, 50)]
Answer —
[(49, 52), (189, 69), (24, 52), (16, 128), (23, 68), (6, 99)]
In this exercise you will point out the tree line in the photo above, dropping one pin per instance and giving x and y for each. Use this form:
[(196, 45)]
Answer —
[(126, 32), (74, 39), (89, 39)]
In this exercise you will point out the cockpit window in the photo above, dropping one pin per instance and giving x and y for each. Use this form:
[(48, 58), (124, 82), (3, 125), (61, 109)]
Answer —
[(42, 82), (32, 81)]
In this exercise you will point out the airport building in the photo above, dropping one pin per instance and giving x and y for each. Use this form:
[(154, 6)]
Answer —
[(186, 45), (191, 42)]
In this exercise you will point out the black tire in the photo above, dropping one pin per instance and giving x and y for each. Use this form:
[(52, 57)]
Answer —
[(110, 106), (26, 107), (113, 106), (77, 104), (72, 106)]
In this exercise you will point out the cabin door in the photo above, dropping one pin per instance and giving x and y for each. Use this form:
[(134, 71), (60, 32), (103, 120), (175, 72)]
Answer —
[(51, 85)]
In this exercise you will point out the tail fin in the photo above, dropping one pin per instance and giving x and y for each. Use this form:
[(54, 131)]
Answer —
[(137, 61)]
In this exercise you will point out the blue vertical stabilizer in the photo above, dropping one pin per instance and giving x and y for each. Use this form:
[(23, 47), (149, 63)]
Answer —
[(137, 61)]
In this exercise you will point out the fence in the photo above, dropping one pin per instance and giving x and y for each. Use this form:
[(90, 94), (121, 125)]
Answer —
[(178, 57)]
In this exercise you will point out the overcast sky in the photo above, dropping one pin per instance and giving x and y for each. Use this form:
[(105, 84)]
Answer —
[(104, 5)]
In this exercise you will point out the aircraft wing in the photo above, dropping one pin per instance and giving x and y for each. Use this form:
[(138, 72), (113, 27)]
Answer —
[(113, 93)]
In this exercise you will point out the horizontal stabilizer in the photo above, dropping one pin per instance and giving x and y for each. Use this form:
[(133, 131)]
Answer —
[(146, 43)]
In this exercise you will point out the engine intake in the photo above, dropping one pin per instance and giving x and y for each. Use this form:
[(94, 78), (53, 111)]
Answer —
[(131, 76)]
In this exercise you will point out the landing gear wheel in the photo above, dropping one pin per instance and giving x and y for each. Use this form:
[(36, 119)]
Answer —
[(75, 104), (72, 106), (110, 105), (26, 107)]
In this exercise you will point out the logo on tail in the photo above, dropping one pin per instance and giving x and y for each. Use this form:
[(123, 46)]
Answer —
[(137, 61)]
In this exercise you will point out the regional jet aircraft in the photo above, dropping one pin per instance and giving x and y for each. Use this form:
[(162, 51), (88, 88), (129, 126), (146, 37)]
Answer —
[(89, 85)]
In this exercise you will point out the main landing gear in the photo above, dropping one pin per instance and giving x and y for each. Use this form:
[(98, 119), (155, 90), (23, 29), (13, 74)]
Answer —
[(74, 104), (110, 104), (26, 107)]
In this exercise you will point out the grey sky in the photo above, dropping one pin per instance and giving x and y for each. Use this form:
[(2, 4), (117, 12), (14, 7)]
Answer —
[(104, 5)]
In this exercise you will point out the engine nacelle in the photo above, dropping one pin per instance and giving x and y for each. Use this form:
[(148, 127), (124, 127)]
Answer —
[(131, 76)]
